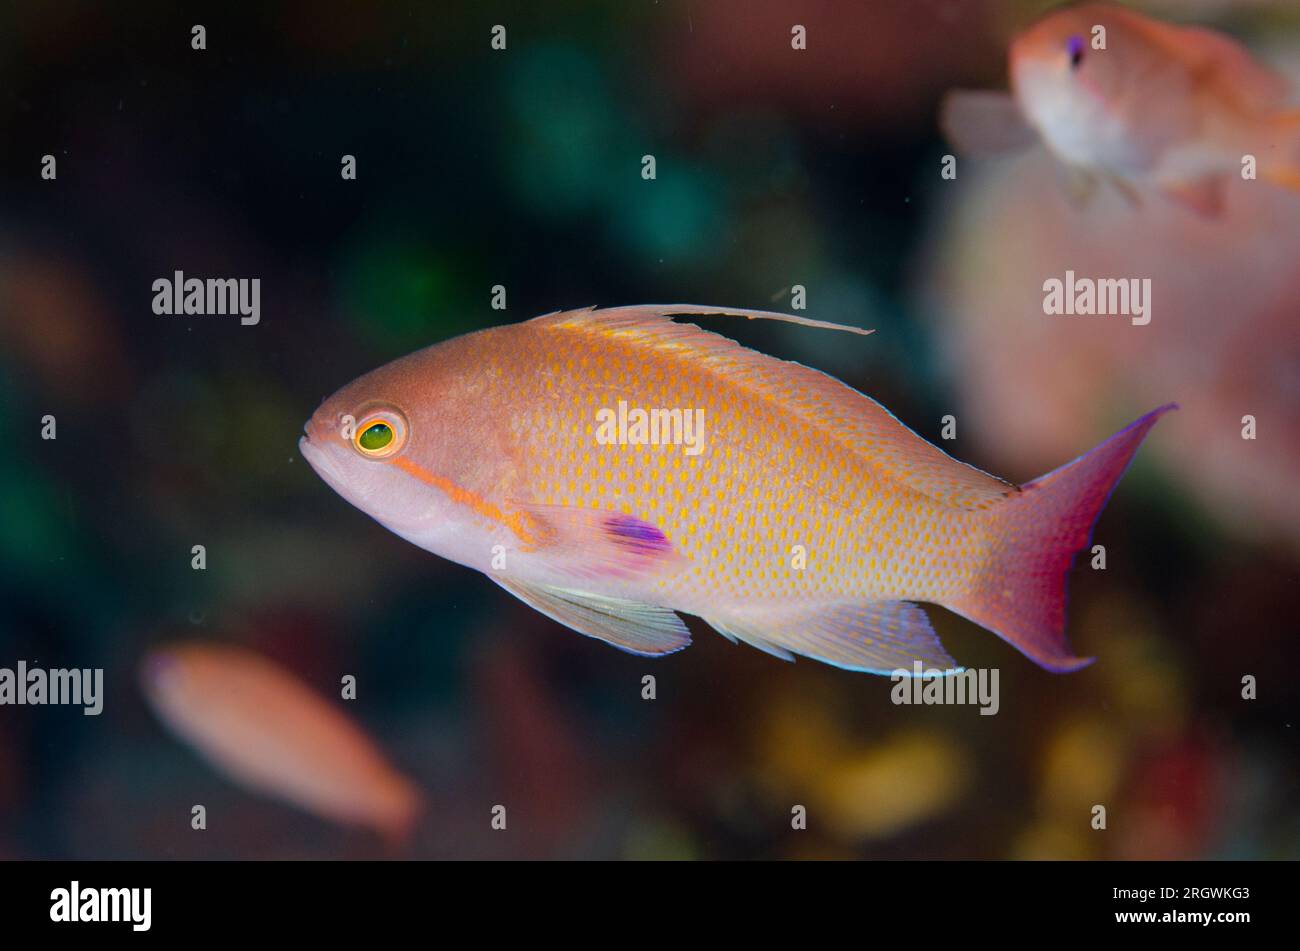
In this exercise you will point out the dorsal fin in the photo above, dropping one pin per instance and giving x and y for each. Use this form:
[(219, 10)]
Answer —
[(861, 425), (1218, 60), (1234, 69)]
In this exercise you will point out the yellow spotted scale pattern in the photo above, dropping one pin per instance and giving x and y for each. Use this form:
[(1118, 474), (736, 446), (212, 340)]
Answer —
[(790, 461)]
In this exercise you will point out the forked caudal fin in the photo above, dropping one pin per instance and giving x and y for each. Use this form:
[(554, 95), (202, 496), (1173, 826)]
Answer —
[(1035, 534)]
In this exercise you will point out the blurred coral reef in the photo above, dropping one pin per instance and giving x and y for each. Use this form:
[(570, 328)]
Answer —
[(522, 168)]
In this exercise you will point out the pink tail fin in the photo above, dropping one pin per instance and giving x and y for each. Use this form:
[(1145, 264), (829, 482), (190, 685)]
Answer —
[(1036, 533)]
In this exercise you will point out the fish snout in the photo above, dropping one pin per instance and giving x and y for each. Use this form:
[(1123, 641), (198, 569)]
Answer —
[(316, 430), (322, 446), (160, 670)]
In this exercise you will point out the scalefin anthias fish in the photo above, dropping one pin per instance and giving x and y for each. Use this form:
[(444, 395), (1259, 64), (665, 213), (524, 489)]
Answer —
[(613, 467), (1175, 109)]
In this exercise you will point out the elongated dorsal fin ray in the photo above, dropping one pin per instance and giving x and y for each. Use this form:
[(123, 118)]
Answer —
[(856, 423), (616, 315)]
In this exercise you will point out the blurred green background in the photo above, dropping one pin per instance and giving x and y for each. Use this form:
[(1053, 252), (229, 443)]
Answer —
[(522, 168)]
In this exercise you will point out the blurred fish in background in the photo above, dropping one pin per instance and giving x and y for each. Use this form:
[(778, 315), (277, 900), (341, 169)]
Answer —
[(1223, 337), (263, 728), (1139, 104), (1224, 340)]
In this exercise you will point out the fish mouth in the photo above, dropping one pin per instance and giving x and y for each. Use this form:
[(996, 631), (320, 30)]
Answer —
[(319, 458), (330, 459)]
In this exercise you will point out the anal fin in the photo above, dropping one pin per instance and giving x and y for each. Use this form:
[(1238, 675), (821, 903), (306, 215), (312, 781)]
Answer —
[(877, 637), (748, 634), (632, 626)]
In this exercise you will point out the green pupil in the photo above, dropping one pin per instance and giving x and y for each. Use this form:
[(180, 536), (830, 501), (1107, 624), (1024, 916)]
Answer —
[(376, 437)]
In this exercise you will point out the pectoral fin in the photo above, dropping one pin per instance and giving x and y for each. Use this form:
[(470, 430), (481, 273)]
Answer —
[(876, 637), (629, 625), (600, 544), (981, 123)]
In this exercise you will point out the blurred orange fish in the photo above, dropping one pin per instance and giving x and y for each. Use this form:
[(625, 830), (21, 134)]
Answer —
[(264, 729), (612, 467), (1120, 97), (1229, 348)]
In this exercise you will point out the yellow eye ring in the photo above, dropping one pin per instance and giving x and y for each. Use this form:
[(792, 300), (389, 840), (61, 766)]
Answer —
[(379, 436)]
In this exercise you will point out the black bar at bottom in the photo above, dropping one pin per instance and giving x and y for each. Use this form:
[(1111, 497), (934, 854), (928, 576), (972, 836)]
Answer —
[(334, 900)]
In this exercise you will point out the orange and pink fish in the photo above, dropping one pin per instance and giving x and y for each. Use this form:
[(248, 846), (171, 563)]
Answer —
[(266, 730), (797, 515), (1121, 98)]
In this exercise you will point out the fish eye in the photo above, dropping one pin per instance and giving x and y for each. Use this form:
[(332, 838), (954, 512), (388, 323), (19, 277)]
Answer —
[(376, 437), (379, 436), (1075, 47)]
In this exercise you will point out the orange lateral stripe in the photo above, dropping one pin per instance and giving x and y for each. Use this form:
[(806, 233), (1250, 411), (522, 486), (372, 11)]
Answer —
[(516, 521)]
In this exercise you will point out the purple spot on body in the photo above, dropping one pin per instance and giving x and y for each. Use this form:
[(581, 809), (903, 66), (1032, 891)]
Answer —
[(636, 535)]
